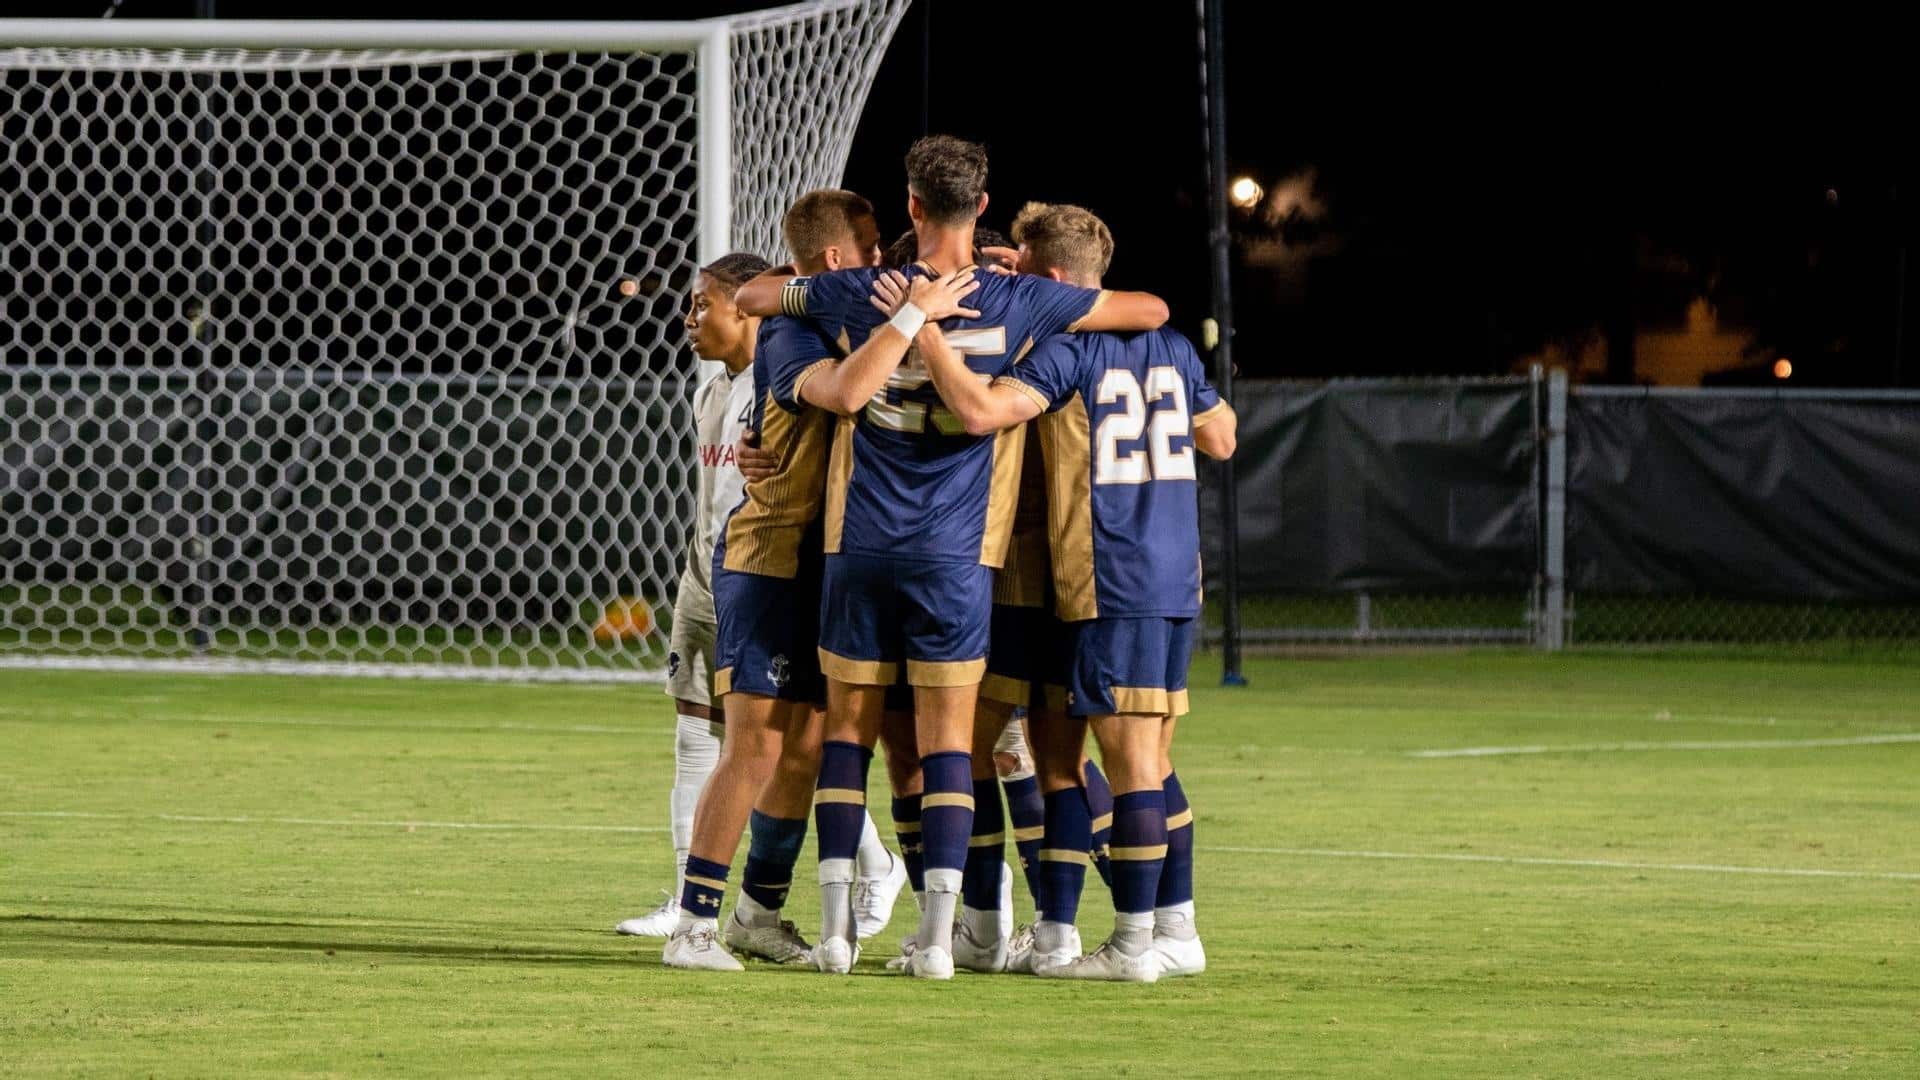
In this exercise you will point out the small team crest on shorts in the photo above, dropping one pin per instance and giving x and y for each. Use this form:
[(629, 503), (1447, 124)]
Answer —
[(779, 671), (673, 664)]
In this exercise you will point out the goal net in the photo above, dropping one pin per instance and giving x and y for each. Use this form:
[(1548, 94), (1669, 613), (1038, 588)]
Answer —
[(356, 347)]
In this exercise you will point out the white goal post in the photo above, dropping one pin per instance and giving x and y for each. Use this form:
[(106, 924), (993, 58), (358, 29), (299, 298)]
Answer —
[(354, 347)]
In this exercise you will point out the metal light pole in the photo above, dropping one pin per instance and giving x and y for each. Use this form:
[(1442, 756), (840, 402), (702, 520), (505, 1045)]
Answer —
[(1214, 103)]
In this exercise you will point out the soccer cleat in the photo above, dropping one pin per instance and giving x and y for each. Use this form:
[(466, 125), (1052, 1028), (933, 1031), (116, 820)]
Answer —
[(907, 946), (656, 923), (780, 943), (698, 948), (975, 945), (933, 963), (873, 898), (1108, 964), (835, 957), (1026, 957), (1180, 956)]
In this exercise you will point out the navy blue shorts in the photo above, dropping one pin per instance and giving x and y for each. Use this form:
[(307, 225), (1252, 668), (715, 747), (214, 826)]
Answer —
[(769, 635), (878, 615), (1028, 658), (1130, 666)]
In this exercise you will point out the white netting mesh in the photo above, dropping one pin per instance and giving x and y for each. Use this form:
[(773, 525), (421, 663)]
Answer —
[(324, 356)]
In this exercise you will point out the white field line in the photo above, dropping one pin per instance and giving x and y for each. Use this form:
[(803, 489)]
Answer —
[(1302, 853), (1603, 864), (1635, 747), (12, 712), (333, 823)]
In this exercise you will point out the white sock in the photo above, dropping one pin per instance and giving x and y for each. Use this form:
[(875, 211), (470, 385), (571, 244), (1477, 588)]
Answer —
[(873, 858), (751, 912), (836, 900), (689, 921), (936, 916), (696, 750), (1049, 936), (1133, 933), (1175, 922)]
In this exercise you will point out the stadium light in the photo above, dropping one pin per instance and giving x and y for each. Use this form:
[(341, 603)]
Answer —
[(1783, 368), (1245, 192)]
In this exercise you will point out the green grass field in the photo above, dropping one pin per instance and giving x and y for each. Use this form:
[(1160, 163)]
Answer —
[(204, 876)]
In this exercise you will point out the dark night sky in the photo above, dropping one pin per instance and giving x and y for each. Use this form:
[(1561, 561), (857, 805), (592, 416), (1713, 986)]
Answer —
[(1478, 190)]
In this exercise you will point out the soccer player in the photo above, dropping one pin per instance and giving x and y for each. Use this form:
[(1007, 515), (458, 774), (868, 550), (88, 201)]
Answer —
[(1125, 414), (766, 574), (718, 332), (917, 516)]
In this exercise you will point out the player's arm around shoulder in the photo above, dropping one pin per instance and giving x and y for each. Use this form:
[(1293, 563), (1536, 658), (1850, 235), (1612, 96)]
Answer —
[(845, 387), (983, 408), (1123, 310), (760, 297)]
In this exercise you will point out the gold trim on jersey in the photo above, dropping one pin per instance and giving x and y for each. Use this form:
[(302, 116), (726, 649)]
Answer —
[(1064, 442), (1006, 690), (858, 672), (765, 532), (1003, 494), (839, 475), (1025, 348), (945, 672), (1147, 701), (806, 373), (1074, 326), (1024, 578), (1211, 414), (1028, 392)]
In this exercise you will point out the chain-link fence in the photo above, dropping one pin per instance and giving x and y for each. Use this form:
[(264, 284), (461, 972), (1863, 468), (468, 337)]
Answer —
[(1525, 511)]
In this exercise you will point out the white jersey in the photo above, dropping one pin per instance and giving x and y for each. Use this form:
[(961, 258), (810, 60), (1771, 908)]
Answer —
[(722, 409)]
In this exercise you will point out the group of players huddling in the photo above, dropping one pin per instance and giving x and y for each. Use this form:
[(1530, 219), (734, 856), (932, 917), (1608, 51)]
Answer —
[(879, 532)]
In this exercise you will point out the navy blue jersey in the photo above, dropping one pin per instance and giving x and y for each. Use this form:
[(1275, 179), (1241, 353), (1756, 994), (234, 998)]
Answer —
[(906, 480), (1122, 487), (764, 533)]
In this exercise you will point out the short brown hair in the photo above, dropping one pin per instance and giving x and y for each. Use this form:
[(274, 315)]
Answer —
[(822, 218), (949, 175), (1064, 237)]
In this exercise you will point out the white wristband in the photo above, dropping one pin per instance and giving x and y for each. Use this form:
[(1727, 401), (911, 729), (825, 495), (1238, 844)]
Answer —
[(908, 320)]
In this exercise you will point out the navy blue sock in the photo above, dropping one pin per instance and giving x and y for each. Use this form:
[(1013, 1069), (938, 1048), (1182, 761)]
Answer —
[(1063, 855), (705, 887), (946, 815), (840, 799), (1176, 878), (770, 857), (986, 849), (1100, 805), (906, 829), (1027, 813), (1139, 849)]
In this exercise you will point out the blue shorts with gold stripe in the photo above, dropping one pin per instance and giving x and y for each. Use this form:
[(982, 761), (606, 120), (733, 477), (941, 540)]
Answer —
[(879, 614), (1028, 658), (1130, 665), (768, 638)]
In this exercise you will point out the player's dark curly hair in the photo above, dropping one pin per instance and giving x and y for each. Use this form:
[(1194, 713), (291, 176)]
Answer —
[(949, 175), (736, 269)]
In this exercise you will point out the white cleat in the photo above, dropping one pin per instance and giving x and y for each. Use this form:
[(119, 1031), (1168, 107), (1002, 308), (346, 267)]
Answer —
[(1026, 957), (933, 963), (907, 946), (656, 923), (1108, 964), (780, 943), (1180, 956), (835, 957), (973, 950), (873, 898), (698, 948)]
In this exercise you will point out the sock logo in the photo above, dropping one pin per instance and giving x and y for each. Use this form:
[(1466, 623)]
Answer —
[(779, 671), (673, 664)]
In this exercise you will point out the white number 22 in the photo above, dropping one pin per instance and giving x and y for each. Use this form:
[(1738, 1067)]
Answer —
[(1120, 387)]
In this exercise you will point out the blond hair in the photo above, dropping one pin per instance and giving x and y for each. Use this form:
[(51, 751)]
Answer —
[(1060, 236)]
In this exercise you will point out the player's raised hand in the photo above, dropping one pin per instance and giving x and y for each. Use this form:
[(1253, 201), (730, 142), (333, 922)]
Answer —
[(753, 462), (1000, 260)]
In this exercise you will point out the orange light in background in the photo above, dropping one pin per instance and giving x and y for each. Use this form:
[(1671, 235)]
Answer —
[(1783, 368), (1245, 192)]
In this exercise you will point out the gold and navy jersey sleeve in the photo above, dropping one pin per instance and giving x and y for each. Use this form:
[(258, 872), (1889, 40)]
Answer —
[(789, 351), (1051, 374), (837, 296), (1052, 307)]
